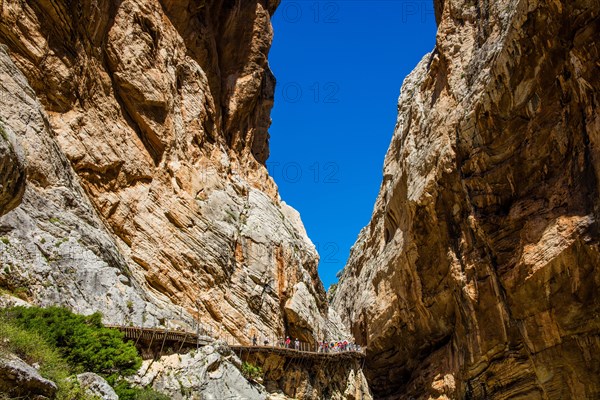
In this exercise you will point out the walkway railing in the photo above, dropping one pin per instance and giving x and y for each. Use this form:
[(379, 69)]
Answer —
[(164, 336), (305, 350)]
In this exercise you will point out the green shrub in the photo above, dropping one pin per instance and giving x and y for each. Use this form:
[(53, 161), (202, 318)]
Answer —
[(34, 349), (150, 394), (251, 371), (64, 344), (82, 340)]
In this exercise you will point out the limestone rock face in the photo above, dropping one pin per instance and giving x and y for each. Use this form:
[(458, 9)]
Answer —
[(479, 272), (216, 375), (55, 248), (144, 123), (12, 167), (323, 379)]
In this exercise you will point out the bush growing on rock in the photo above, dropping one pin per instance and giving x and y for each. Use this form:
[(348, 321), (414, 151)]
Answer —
[(82, 340), (35, 350), (64, 344), (127, 392), (251, 371)]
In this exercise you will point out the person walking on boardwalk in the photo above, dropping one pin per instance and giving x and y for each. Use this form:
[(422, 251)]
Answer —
[(254, 340), (287, 342), (297, 344)]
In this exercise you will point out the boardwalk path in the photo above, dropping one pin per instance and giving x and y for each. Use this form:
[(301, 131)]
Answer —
[(178, 340)]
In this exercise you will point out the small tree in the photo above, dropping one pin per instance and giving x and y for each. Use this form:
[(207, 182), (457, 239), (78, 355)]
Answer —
[(82, 340)]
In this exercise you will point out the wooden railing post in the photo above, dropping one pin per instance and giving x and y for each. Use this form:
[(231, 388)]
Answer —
[(165, 334)]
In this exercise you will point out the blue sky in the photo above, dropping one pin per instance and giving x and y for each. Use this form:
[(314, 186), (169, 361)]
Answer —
[(339, 67)]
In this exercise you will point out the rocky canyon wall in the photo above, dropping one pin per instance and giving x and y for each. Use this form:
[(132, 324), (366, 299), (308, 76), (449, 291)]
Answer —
[(143, 124), (478, 276), (12, 167)]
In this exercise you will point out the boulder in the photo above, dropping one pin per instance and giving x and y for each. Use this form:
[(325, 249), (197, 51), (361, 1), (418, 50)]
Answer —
[(17, 378), (97, 386)]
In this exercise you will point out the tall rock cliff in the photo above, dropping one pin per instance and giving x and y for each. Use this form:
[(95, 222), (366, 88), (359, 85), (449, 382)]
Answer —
[(144, 128), (479, 273)]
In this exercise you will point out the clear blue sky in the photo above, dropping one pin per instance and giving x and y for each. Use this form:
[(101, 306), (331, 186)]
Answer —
[(339, 67)]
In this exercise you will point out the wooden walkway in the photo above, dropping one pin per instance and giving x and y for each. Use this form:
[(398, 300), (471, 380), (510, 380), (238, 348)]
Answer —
[(155, 335), (155, 338), (304, 354)]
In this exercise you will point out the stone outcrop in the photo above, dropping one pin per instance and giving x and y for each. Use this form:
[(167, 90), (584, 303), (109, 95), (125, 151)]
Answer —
[(213, 372), (316, 379), (145, 126), (478, 275), (17, 378), (95, 385)]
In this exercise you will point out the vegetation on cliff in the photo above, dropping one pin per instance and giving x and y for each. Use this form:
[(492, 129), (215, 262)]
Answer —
[(251, 371), (63, 344)]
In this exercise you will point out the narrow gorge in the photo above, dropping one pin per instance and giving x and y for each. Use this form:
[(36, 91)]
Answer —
[(133, 147)]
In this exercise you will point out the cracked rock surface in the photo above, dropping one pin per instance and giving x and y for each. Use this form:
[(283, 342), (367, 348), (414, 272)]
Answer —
[(216, 375), (478, 274), (145, 127), (17, 378)]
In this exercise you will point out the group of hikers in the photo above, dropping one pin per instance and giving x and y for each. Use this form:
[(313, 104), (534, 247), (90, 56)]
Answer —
[(321, 347), (331, 347)]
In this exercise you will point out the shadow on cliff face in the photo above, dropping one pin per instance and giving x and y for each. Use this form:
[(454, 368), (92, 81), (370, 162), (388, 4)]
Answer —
[(232, 58), (64, 74), (69, 40), (228, 39), (13, 167)]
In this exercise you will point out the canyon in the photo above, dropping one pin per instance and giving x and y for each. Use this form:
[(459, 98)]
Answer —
[(133, 142)]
